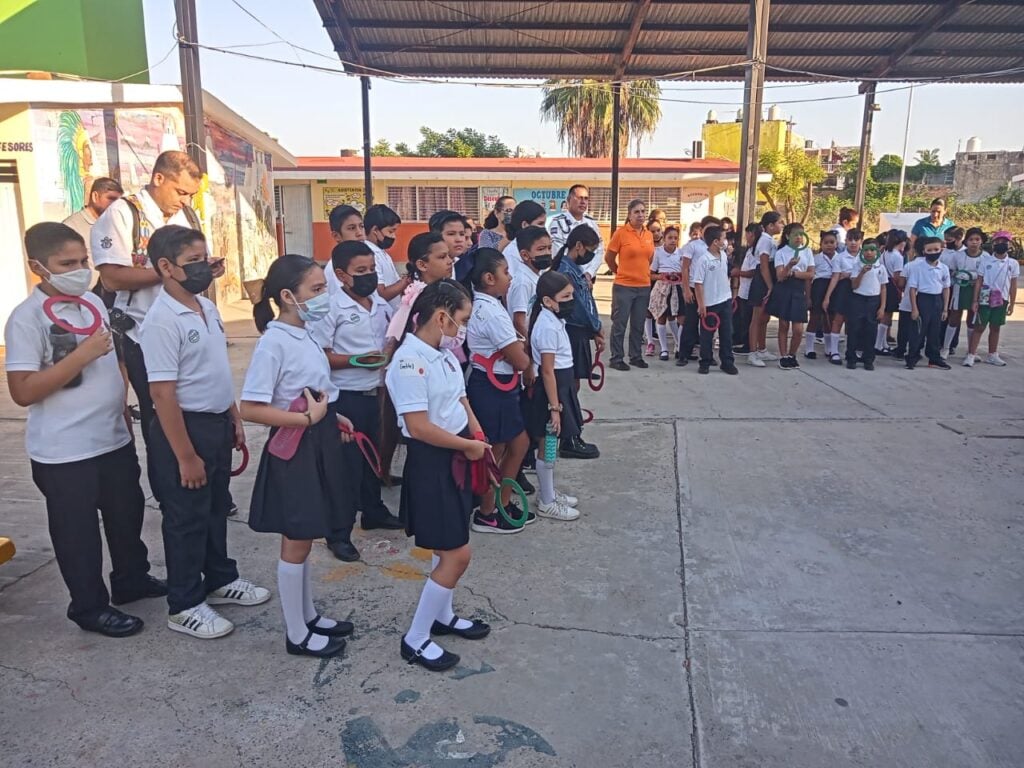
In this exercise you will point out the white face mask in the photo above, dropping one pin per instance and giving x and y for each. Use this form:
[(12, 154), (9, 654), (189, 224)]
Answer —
[(73, 283)]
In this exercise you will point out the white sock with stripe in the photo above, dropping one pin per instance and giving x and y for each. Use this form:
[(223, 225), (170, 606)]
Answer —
[(649, 330), (290, 577), (880, 336), (809, 342), (546, 481)]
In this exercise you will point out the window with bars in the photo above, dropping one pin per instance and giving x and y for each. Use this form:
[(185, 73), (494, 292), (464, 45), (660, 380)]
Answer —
[(420, 203), (665, 198)]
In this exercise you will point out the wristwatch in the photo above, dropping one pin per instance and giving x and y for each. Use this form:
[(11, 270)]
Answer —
[(556, 407)]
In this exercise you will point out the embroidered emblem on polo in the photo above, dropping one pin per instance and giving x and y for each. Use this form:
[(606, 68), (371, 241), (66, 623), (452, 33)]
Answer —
[(106, 243), (193, 336)]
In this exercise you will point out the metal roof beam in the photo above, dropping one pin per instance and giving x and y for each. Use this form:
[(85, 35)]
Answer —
[(346, 44), (553, 50), (639, 14)]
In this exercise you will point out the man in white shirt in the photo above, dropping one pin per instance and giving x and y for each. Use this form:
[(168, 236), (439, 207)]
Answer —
[(103, 194), (574, 215)]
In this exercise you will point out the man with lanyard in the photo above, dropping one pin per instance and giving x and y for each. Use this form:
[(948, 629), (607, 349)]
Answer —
[(573, 216), (119, 240)]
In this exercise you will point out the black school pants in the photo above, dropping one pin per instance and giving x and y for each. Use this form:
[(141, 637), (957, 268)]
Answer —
[(363, 409), (929, 330), (724, 331), (195, 525), (741, 324), (74, 492), (691, 330), (139, 379), (861, 327)]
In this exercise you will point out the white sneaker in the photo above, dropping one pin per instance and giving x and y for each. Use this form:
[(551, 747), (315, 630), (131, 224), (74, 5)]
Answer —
[(566, 499), (944, 354), (969, 360), (767, 356), (238, 592), (754, 359), (995, 359), (201, 621), (557, 511)]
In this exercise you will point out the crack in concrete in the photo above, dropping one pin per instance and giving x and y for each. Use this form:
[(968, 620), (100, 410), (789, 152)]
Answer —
[(606, 633), (40, 679), (854, 631), (26, 575)]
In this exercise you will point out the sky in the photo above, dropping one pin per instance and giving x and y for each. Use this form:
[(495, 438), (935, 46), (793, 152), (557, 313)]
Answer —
[(315, 113)]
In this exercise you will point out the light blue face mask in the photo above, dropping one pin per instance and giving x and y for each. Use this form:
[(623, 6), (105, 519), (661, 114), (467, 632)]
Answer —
[(316, 308)]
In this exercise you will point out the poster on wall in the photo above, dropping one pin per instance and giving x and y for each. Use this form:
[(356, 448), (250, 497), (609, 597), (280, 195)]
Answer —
[(489, 197), (553, 200), (696, 204), (335, 196)]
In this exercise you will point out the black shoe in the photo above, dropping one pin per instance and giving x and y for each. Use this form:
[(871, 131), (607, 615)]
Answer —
[(952, 351), (899, 356), (620, 365), (525, 484), (693, 356), (335, 645), (478, 631), (681, 361), (883, 352), (869, 366), (939, 364), (148, 587), (233, 509), (785, 363), (111, 622), (851, 364), (740, 349), (794, 363), (343, 550), (388, 522), (496, 523), (704, 368), (638, 362), (340, 628), (445, 661), (812, 355), (576, 448), (730, 369)]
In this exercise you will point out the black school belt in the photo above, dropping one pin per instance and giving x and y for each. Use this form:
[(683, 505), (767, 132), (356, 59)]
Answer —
[(365, 393)]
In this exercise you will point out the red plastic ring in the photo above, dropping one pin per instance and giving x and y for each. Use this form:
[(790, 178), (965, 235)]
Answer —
[(672, 279), (598, 367), (707, 326), (735, 304), (88, 330), (245, 461), (588, 415), (366, 447), (488, 364)]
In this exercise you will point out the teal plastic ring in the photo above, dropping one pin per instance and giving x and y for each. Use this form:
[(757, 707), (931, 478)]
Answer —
[(380, 360), (516, 488)]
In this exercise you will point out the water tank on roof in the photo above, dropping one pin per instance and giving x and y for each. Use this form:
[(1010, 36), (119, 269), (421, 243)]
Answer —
[(712, 116), (739, 115), (974, 144), (775, 112)]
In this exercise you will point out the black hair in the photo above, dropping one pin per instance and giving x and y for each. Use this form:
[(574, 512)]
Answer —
[(486, 262), (419, 247), (753, 227), (492, 218), (893, 238), (712, 233), (938, 201), (174, 162), (921, 242), (343, 253), (854, 234), (441, 218), (44, 239), (105, 184), (169, 241), (340, 214), (955, 233), (710, 221), (827, 233), (976, 231), (548, 286), (672, 228), (522, 215), (530, 235), (285, 273), (788, 230), (847, 214), (574, 187), (380, 216), (726, 220), (770, 217), (580, 234)]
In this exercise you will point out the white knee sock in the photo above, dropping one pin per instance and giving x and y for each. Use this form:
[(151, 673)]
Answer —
[(663, 337), (290, 578), (434, 562), (649, 330), (950, 333), (673, 326), (832, 343), (880, 336), (448, 613), (809, 342), (309, 611), (546, 480), (433, 598)]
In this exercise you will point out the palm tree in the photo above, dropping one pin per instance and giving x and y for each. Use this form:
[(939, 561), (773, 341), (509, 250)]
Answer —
[(582, 112), (928, 157)]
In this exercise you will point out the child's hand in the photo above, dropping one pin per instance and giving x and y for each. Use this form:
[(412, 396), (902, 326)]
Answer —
[(688, 296), (193, 472), (880, 315), (974, 308), (239, 434), (734, 272), (476, 450), (1009, 309), (556, 422), (346, 427), (97, 345), (529, 375), (316, 409), (915, 315)]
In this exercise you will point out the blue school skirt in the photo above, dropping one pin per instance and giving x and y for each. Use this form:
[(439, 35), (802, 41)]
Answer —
[(498, 412)]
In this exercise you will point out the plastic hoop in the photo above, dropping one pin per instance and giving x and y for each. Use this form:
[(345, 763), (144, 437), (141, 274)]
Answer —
[(597, 367), (366, 447), (963, 278), (379, 358), (672, 279), (488, 364), (245, 461), (710, 328), (588, 415), (516, 523), (867, 263), (88, 330)]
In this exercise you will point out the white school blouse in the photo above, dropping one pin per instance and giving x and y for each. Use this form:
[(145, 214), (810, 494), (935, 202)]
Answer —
[(666, 263), (286, 360), (490, 329), (549, 335), (422, 378)]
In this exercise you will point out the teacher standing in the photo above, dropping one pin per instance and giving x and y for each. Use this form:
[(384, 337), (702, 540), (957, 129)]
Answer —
[(629, 257)]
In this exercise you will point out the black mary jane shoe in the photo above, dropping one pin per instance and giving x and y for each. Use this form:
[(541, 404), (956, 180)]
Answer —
[(445, 661), (150, 586), (340, 628), (111, 622), (335, 645), (478, 630)]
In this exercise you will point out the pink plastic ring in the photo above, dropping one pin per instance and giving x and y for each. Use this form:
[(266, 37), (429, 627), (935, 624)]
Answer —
[(245, 461), (366, 447), (88, 330), (488, 364), (711, 328), (598, 367), (588, 416)]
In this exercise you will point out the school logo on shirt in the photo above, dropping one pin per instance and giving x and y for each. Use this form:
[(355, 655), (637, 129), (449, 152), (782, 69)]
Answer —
[(106, 243), (352, 319), (193, 336), (410, 368)]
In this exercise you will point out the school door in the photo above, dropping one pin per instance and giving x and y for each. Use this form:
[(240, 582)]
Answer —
[(298, 219), (14, 286)]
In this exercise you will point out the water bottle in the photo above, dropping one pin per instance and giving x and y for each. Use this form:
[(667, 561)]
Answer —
[(64, 343), (285, 441), (550, 444)]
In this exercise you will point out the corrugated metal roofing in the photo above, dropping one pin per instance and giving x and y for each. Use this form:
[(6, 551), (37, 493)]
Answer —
[(564, 38)]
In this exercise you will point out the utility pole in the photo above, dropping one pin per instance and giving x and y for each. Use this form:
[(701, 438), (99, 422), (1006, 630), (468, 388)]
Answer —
[(191, 83), (906, 141), (870, 107), (753, 96)]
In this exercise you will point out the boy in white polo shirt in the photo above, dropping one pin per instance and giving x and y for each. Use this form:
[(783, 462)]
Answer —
[(713, 293), (381, 226), (356, 325), (928, 285), (77, 437), (197, 424)]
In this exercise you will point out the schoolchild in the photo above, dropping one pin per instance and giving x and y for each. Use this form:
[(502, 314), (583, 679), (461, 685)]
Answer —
[(197, 425), (691, 322), (761, 288), (453, 228), (995, 293), (825, 262), (666, 304), (865, 306), (534, 244), (426, 385), (892, 259), (346, 224), (77, 436), (302, 478), (528, 213), (381, 226), (837, 297), (745, 273), (963, 272), (794, 270), (928, 285), (713, 294)]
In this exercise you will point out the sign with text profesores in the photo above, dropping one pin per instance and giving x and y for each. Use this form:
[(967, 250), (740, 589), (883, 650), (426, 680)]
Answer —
[(553, 200)]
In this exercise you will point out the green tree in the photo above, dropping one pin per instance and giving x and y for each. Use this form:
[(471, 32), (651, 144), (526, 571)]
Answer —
[(466, 142), (582, 113), (402, 150), (794, 174), (929, 157), (382, 149), (888, 167)]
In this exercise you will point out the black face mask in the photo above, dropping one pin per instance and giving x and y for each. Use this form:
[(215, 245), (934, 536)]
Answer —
[(386, 242), (586, 258), (1001, 248), (932, 257), (541, 262), (198, 276), (565, 309), (364, 285)]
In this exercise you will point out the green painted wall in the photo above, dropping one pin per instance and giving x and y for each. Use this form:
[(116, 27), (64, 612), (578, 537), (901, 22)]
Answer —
[(103, 39)]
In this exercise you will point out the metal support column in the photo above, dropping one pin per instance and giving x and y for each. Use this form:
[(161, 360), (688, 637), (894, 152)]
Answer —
[(191, 83), (753, 97), (616, 119), (367, 161), (865, 147), (906, 143)]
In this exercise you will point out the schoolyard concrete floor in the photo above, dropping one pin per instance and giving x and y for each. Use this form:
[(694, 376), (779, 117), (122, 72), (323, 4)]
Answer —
[(807, 569)]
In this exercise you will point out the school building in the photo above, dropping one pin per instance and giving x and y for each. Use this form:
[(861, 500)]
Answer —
[(416, 187)]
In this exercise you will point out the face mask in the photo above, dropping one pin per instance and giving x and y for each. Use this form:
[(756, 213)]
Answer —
[(73, 283), (586, 258), (565, 309), (386, 242), (456, 341), (999, 248), (316, 308), (541, 262), (932, 257), (198, 276), (364, 285)]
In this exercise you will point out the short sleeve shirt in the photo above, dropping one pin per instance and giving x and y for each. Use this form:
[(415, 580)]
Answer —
[(893, 263), (422, 378), (561, 225), (784, 254), (286, 360), (387, 272), (824, 265), (490, 330), (634, 253), (929, 278), (712, 272), (873, 280), (522, 290), (997, 273), (351, 329), (549, 335), (691, 251), (666, 263), (750, 262), (924, 228)]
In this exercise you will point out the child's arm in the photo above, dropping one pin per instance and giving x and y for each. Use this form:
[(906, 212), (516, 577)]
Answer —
[(388, 292), (860, 276), (30, 387), (474, 423), (236, 420), (684, 271), (165, 401), (265, 413), (1013, 296), (881, 303), (945, 301), (977, 294), (807, 274), (520, 323), (831, 287), (914, 314), (698, 288), (765, 268), (547, 372), (423, 429), (515, 355)]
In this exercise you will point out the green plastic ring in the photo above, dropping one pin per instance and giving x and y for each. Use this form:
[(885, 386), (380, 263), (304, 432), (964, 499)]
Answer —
[(963, 278), (380, 358), (516, 523)]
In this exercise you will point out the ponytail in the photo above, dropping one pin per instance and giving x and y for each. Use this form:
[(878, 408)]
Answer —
[(548, 286), (419, 247), (286, 273), (580, 234)]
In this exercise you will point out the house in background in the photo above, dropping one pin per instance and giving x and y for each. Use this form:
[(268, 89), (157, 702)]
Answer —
[(978, 175)]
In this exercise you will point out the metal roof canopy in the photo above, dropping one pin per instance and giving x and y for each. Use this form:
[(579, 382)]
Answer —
[(804, 40)]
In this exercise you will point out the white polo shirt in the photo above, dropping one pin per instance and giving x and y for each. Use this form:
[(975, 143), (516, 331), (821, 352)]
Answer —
[(765, 244), (285, 361), (712, 272), (805, 259), (333, 283), (908, 268), (181, 345), (846, 263), (387, 272), (690, 252), (929, 278), (522, 290), (74, 423), (422, 378), (665, 263), (549, 335), (824, 265), (967, 263), (490, 329), (948, 256), (893, 263), (750, 263), (81, 221), (997, 273), (559, 228), (351, 329), (873, 280), (111, 243)]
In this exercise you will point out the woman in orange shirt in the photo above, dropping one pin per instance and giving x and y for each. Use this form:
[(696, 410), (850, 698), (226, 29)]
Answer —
[(629, 257)]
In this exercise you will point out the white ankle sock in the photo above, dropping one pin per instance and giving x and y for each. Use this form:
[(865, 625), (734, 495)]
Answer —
[(673, 326), (809, 342), (649, 330), (950, 333), (880, 336), (290, 578), (546, 480), (433, 599), (308, 609), (663, 337)]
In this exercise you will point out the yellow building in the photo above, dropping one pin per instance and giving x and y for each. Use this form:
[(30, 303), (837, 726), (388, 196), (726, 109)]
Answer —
[(723, 141)]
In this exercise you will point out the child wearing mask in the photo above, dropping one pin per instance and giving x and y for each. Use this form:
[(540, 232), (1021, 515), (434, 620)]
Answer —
[(825, 263), (837, 297), (928, 285), (963, 272), (995, 293), (892, 259), (346, 224), (381, 225)]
